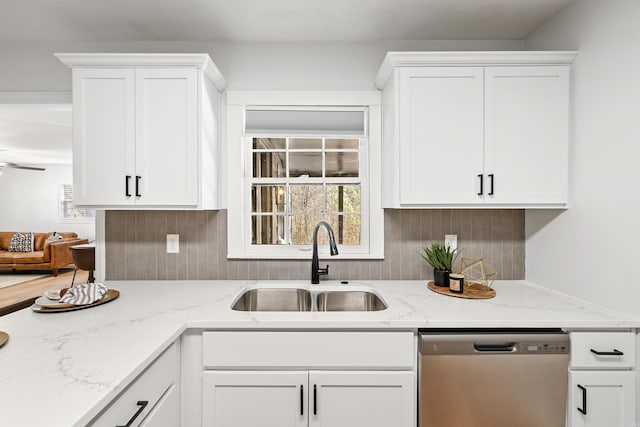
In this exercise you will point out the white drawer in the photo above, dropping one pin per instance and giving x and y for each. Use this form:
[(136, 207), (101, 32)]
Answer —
[(603, 350), (366, 350), (148, 387)]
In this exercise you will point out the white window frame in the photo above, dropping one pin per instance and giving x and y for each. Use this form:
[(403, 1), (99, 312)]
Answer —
[(238, 154), (61, 200)]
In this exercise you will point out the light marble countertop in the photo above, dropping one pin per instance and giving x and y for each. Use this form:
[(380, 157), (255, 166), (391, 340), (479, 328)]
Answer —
[(62, 369)]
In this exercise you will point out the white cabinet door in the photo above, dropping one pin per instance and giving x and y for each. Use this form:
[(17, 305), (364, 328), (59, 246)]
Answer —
[(441, 131), (257, 399), (601, 398), (103, 136), (166, 413), (526, 135), (361, 399), (166, 136)]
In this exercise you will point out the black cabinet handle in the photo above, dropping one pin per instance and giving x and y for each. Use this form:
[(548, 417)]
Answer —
[(490, 185), (583, 410), (138, 178), (481, 184), (315, 400), (126, 185), (142, 404), (301, 399), (615, 352)]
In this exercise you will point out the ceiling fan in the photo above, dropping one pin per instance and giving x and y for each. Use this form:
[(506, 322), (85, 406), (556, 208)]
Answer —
[(10, 165)]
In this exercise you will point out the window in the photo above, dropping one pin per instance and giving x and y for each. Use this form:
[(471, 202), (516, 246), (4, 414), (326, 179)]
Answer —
[(297, 182), (68, 212), (302, 164)]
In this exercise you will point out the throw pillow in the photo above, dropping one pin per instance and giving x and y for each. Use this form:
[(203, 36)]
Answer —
[(54, 237), (21, 242)]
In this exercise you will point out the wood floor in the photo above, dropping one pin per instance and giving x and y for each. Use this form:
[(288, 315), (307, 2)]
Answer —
[(19, 296)]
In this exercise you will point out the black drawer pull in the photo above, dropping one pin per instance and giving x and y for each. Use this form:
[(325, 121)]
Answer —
[(583, 410), (138, 178), (615, 352), (127, 178), (301, 399), (481, 184), (142, 404)]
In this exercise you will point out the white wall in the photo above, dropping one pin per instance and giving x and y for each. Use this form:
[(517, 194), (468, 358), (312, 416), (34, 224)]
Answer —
[(247, 66), (592, 249), (30, 201)]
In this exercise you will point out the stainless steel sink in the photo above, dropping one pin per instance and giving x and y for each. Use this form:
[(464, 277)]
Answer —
[(349, 301), (273, 299)]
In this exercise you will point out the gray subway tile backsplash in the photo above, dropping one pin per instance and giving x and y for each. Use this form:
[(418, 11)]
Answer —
[(136, 246)]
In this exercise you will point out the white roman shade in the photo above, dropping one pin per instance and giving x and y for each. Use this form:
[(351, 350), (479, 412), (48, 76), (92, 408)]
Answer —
[(301, 122)]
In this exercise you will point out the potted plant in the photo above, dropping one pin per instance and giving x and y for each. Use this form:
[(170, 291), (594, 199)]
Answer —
[(441, 257)]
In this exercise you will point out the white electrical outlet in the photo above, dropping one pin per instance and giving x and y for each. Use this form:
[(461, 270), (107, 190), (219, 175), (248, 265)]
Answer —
[(451, 240), (173, 243)]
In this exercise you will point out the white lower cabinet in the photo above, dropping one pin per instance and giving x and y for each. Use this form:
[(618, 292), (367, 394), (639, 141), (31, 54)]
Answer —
[(601, 399), (248, 398), (151, 400), (602, 379), (361, 399), (299, 378), (308, 398)]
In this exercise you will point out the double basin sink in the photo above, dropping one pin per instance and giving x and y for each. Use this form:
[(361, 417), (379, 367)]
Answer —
[(301, 299)]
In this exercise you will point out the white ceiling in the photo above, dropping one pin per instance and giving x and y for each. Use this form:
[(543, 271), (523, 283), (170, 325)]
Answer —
[(272, 20), (42, 135), (35, 134)]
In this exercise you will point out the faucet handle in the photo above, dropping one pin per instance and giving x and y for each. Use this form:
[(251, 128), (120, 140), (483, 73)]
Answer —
[(323, 271)]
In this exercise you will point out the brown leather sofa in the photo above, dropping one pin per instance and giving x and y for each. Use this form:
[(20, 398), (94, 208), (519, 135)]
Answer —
[(45, 256)]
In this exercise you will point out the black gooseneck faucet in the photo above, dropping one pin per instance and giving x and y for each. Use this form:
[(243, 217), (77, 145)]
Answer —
[(316, 271)]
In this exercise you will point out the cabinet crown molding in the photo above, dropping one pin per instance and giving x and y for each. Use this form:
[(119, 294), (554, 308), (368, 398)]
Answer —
[(461, 58), (201, 61)]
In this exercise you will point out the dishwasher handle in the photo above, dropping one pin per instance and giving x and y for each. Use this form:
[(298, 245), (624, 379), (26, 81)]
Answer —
[(506, 347)]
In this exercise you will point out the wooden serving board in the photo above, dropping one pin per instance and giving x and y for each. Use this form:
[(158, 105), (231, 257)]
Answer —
[(109, 296), (472, 290), (4, 337)]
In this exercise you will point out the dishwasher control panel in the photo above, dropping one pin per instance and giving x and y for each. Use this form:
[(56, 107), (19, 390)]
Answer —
[(542, 348)]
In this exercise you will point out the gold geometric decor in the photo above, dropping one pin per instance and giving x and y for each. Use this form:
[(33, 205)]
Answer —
[(479, 271)]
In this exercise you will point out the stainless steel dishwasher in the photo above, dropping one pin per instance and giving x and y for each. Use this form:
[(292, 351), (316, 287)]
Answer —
[(493, 378)]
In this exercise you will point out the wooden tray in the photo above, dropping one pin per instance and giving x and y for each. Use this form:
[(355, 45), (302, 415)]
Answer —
[(4, 337), (109, 296), (472, 290)]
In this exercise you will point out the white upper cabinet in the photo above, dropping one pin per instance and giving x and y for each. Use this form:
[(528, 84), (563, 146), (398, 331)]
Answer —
[(166, 136), (146, 130), (475, 129), (526, 135), (435, 102)]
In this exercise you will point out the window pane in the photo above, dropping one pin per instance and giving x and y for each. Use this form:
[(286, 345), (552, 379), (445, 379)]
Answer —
[(343, 198), (346, 228), (307, 198), (339, 144), (269, 143), (268, 230), (302, 229), (342, 164), (268, 198), (269, 165), (305, 143), (68, 211), (309, 164)]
